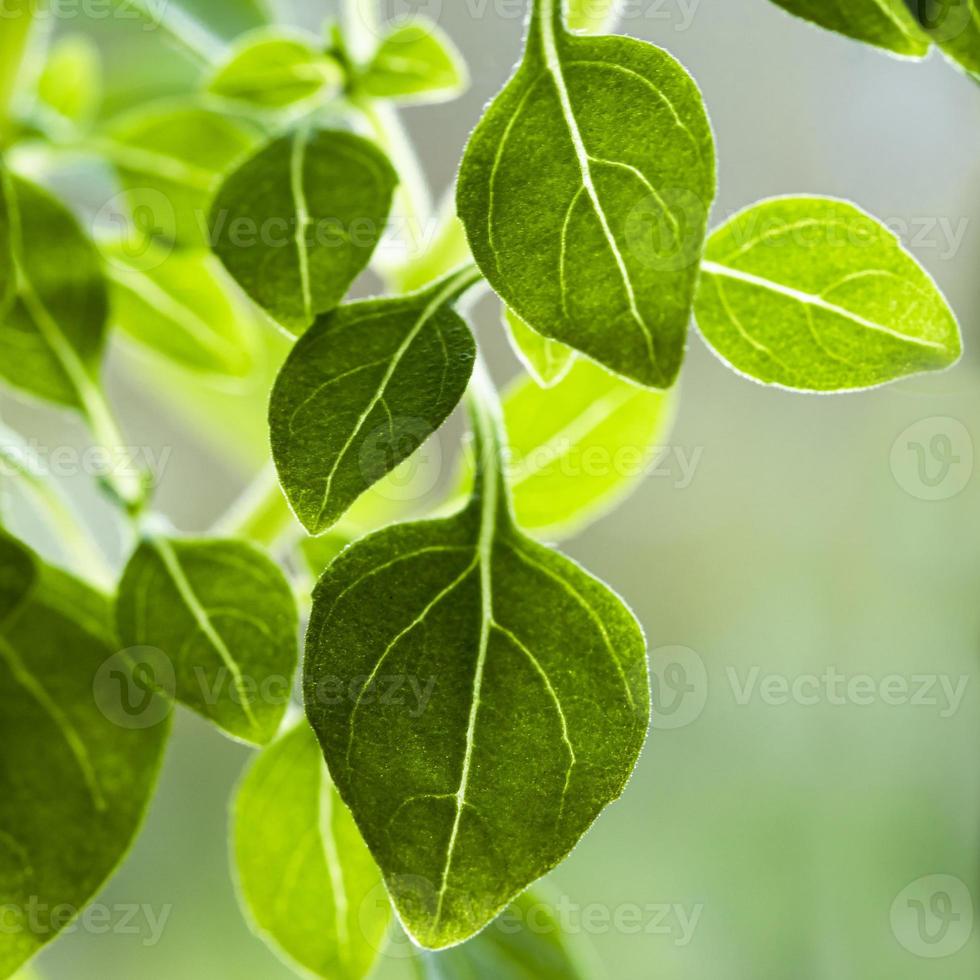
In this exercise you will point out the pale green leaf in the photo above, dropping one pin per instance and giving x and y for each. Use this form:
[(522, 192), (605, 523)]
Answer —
[(362, 390), (306, 880), (52, 338), (955, 26), (814, 294), (297, 223), (525, 943), (74, 781), (171, 158), (547, 361), (585, 192), (320, 552), (415, 62), (524, 703), (71, 82), (447, 250), (8, 271), (181, 305), (272, 69), (579, 449), (225, 617), (594, 16), (886, 24)]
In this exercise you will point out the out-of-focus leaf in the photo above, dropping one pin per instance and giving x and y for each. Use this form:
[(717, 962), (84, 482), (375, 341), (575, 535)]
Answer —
[(71, 82), (546, 360)]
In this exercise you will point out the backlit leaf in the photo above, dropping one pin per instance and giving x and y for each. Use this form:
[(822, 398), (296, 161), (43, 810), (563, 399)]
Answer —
[(814, 294), (521, 705), (884, 23), (594, 16), (415, 62), (270, 69), (362, 390), (306, 880), (76, 769), (224, 616), (585, 192), (8, 271), (297, 223), (71, 82), (181, 305), (547, 361), (955, 26)]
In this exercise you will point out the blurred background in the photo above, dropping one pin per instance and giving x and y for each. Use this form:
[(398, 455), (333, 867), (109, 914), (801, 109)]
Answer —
[(808, 803)]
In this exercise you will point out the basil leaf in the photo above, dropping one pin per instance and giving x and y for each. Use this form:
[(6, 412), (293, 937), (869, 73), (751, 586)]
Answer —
[(171, 158), (75, 777), (525, 943), (884, 23), (180, 305), (524, 703), (225, 617), (8, 271), (297, 223), (585, 192), (362, 390), (51, 340), (593, 16), (416, 62), (547, 361), (270, 69), (306, 880), (71, 82), (955, 26), (579, 449), (814, 294)]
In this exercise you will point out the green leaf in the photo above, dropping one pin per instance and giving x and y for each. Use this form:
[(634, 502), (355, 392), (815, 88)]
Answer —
[(955, 26), (521, 701), (362, 390), (297, 223), (181, 305), (585, 192), (814, 294), (225, 617), (884, 23), (272, 69), (525, 943), (415, 62), (593, 16), (51, 340), (547, 361), (579, 449), (8, 271), (76, 777), (171, 158), (306, 880), (71, 82)]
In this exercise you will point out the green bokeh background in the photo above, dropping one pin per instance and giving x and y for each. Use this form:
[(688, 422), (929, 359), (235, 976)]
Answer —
[(801, 543)]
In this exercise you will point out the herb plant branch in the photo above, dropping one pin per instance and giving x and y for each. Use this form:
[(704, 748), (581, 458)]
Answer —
[(251, 207)]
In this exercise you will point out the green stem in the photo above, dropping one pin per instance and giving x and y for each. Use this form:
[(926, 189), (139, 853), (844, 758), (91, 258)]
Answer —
[(489, 442), (362, 24), (16, 23)]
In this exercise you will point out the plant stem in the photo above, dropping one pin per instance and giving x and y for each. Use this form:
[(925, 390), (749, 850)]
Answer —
[(15, 34)]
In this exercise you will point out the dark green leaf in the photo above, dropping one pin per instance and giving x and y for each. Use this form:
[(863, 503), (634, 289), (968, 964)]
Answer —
[(494, 699), (362, 390), (225, 617), (171, 158), (181, 305), (585, 192), (51, 341), (271, 69), (814, 294), (306, 879), (884, 23), (415, 62), (547, 361), (955, 26), (525, 943), (296, 224), (75, 775)]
